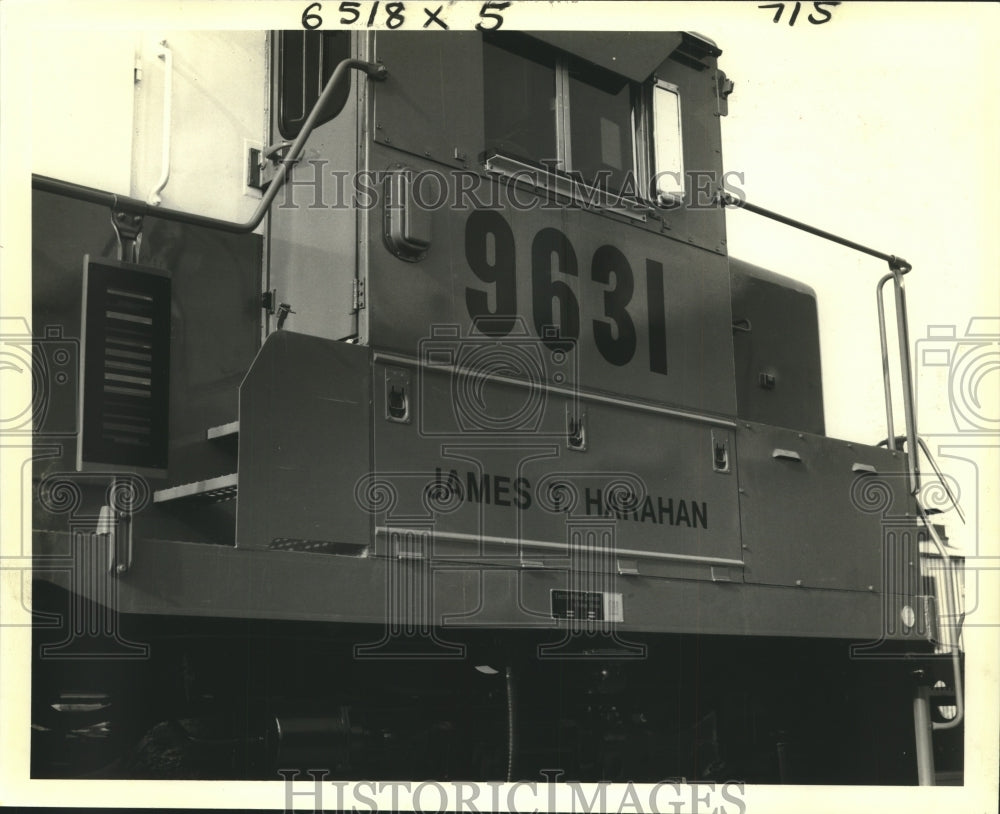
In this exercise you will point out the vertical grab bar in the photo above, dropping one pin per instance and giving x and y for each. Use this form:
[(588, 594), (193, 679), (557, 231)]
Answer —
[(906, 369), (906, 374), (886, 380), (167, 56)]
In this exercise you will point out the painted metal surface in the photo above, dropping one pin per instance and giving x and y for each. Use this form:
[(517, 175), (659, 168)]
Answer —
[(305, 417), (490, 470), (432, 103), (593, 276), (815, 521), (778, 382), (215, 317), (187, 579)]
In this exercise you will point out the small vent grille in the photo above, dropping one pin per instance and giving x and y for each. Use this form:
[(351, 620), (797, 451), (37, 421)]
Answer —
[(126, 329)]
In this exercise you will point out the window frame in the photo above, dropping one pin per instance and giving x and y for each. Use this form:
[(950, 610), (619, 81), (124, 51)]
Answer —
[(560, 179)]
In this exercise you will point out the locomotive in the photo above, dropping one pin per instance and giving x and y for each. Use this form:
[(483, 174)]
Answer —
[(471, 453)]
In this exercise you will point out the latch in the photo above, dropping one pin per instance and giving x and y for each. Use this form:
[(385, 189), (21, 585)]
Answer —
[(397, 396), (576, 431), (720, 453)]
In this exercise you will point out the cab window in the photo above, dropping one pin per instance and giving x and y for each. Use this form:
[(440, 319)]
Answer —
[(601, 126), (305, 60), (550, 109), (520, 96)]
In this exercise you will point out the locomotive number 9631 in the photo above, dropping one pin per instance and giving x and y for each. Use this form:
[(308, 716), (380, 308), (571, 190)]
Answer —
[(490, 253)]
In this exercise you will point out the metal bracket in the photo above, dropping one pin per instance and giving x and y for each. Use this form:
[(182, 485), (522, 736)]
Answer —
[(126, 219), (116, 526)]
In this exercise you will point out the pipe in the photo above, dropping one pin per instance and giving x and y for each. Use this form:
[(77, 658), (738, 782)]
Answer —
[(511, 723), (922, 733)]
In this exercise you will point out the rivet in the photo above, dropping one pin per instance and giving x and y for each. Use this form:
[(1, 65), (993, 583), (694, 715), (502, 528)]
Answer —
[(798, 582)]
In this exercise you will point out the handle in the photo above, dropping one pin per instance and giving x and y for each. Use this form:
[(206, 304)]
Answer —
[(167, 56)]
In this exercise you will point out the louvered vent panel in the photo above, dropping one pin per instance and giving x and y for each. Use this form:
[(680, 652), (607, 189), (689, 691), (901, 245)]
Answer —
[(126, 328)]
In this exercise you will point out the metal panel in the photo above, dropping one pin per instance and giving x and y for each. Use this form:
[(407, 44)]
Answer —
[(215, 320), (778, 382), (679, 290), (633, 54), (490, 472), (431, 105), (304, 428), (822, 519), (700, 222), (215, 581)]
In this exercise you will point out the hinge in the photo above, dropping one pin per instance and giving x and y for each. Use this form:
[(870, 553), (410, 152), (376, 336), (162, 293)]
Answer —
[(358, 295), (268, 299)]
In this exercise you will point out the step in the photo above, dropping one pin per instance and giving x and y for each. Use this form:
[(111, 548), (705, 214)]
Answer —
[(213, 489), (229, 430)]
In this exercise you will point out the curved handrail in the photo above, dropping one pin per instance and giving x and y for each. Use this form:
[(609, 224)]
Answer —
[(133, 206)]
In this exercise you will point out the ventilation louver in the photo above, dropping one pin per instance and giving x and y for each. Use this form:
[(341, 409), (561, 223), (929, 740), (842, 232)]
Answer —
[(126, 366)]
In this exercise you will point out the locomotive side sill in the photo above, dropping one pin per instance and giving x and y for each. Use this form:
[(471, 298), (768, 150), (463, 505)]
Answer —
[(217, 489)]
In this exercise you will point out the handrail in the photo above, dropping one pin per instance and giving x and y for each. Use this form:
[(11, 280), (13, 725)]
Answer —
[(168, 81), (905, 366), (897, 268), (136, 207), (886, 377), (741, 203)]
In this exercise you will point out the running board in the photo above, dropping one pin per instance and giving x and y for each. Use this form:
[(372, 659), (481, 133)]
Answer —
[(215, 490), (223, 431)]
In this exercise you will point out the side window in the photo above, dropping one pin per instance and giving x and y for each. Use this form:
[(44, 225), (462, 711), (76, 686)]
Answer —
[(304, 62), (601, 132), (548, 108), (520, 100)]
